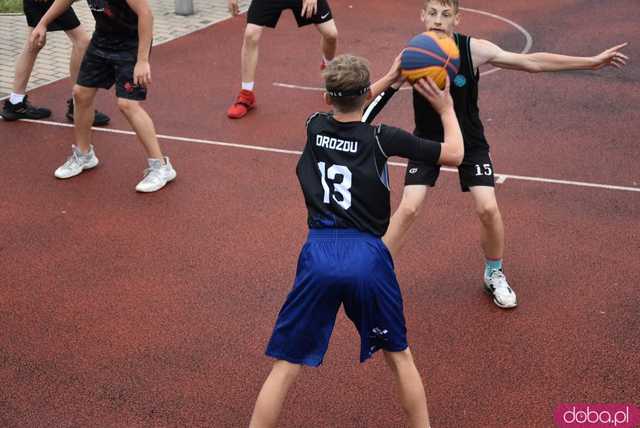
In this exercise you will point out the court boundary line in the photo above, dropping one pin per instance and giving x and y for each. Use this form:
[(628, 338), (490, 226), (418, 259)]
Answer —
[(527, 47), (500, 178)]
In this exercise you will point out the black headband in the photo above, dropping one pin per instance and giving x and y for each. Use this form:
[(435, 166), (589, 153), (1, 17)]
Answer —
[(349, 92)]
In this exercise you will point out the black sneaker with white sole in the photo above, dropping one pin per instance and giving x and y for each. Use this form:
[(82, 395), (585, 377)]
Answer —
[(23, 110)]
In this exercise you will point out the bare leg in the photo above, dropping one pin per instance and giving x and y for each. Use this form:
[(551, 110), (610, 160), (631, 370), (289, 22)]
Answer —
[(142, 124), (83, 100), (492, 233), (24, 66), (329, 41), (412, 199), (250, 52), (411, 389), (273, 393), (79, 44)]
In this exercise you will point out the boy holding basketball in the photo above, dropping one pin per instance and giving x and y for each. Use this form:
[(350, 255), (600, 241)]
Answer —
[(266, 13), (344, 179), (476, 171), (118, 53)]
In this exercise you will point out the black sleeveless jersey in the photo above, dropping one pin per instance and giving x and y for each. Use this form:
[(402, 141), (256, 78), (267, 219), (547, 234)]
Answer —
[(116, 25), (464, 90), (343, 171)]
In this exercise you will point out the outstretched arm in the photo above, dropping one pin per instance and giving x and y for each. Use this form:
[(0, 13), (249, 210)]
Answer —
[(382, 91), (485, 52), (142, 70)]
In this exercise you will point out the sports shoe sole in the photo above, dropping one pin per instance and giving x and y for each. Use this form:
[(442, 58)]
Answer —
[(10, 117), (84, 168), (498, 304), (242, 115)]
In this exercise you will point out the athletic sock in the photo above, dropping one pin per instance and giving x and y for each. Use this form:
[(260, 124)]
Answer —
[(490, 265), (16, 98), (247, 86)]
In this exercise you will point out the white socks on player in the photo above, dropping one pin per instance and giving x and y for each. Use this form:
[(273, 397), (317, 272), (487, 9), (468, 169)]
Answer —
[(16, 98), (247, 86)]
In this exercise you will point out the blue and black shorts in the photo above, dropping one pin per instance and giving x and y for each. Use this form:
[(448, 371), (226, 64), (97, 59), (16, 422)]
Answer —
[(335, 267)]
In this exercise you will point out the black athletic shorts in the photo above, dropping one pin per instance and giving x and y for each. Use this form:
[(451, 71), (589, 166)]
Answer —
[(476, 170), (34, 11), (101, 69), (266, 13)]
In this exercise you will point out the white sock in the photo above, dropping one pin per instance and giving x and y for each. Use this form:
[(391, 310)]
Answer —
[(16, 98), (325, 61), (247, 86)]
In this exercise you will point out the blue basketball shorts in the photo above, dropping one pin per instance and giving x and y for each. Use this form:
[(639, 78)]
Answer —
[(340, 267)]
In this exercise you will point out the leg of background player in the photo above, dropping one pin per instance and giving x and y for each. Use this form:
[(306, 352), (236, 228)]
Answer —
[(413, 197)]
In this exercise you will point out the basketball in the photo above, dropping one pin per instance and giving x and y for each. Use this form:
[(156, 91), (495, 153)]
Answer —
[(430, 54)]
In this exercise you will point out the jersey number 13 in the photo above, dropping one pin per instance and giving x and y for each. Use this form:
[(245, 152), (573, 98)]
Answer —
[(340, 187)]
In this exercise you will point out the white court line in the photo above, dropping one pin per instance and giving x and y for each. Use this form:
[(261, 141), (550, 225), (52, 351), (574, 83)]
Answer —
[(500, 178), (527, 47)]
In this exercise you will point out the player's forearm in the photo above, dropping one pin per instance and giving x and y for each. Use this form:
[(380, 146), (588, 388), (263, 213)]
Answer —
[(453, 146), (145, 33), (379, 86), (543, 61), (57, 8)]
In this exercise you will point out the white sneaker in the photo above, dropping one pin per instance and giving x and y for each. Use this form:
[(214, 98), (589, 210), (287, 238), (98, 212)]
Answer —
[(156, 176), (76, 163), (496, 284)]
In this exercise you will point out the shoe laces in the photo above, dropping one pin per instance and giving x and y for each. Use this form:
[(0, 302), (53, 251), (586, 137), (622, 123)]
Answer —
[(152, 174), (244, 98), (74, 159)]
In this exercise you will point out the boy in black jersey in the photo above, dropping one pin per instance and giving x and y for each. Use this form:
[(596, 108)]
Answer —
[(118, 53), (18, 105), (343, 175), (476, 170), (266, 13)]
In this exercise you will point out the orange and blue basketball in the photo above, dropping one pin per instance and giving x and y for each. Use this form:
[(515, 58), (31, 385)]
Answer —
[(430, 54)]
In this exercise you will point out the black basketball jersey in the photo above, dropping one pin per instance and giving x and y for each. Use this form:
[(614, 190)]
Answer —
[(343, 171), (464, 90), (116, 24)]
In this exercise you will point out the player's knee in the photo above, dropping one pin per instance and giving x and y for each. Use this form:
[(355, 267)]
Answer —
[(126, 106), (397, 360), (82, 43), (488, 212), (82, 95), (252, 35), (33, 50), (409, 209), (331, 35)]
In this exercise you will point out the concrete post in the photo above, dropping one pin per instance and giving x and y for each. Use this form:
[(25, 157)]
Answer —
[(184, 7)]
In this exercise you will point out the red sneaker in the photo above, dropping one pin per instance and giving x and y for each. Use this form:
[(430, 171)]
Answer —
[(246, 101)]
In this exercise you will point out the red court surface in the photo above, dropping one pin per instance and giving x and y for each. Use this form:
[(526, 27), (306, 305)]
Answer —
[(127, 310)]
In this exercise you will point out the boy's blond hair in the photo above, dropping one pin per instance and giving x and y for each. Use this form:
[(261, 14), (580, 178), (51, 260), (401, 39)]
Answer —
[(347, 73), (455, 4)]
